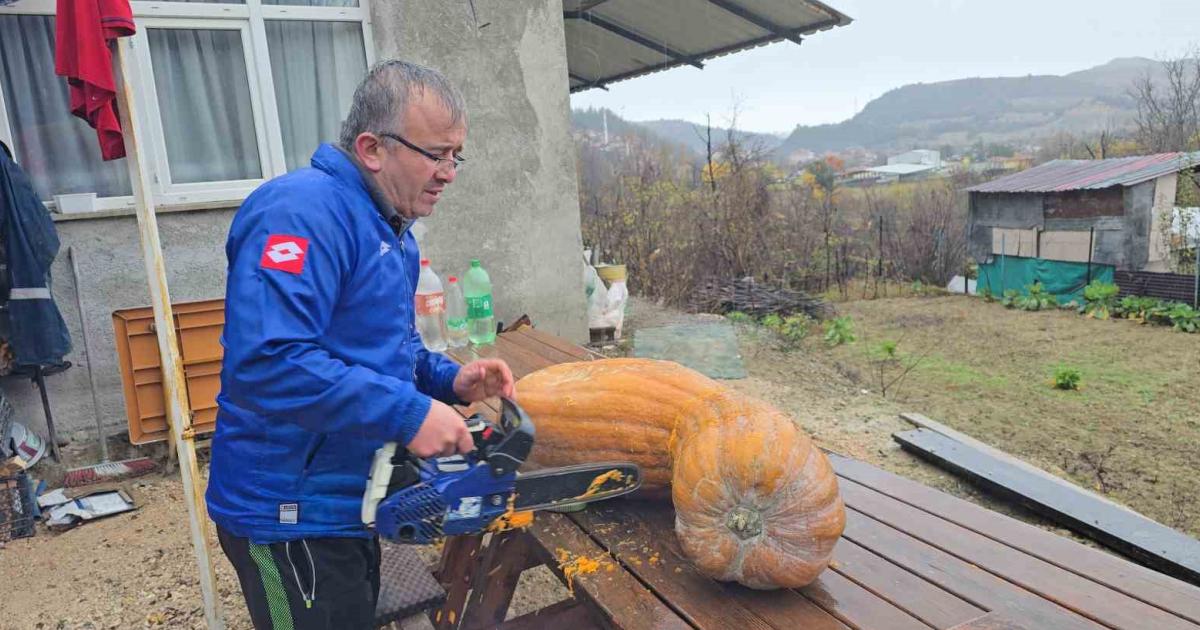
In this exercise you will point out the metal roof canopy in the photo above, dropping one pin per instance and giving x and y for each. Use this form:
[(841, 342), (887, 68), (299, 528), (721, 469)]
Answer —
[(1064, 175), (614, 40)]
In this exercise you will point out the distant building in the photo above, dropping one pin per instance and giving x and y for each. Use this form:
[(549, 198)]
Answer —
[(923, 157), (1069, 221), (890, 174)]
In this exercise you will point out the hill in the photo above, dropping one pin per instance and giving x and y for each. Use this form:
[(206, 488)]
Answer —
[(1001, 109)]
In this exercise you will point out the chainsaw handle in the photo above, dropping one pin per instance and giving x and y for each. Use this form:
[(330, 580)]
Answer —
[(506, 445)]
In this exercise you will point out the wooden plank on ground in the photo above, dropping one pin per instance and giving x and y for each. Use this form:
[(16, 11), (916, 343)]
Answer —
[(903, 589), (641, 535), (1145, 540), (960, 577), (1070, 591), (1133, 580), (616, 596), (925, 422)]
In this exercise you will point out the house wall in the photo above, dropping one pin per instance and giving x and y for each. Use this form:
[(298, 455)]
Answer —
[(1050, 216), (1139, 207), (515, 205)]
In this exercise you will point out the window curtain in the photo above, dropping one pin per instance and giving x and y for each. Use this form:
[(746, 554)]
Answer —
[(315, 67), (204, 99), (314, 3), (57, 150)]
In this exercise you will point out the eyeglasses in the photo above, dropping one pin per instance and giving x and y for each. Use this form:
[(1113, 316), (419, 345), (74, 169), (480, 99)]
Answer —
[(454, 163)]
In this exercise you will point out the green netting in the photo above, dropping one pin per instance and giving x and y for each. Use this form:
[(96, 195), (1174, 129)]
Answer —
[(1063, 280)]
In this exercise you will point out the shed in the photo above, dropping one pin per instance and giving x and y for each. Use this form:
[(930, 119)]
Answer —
[(1066, 222)]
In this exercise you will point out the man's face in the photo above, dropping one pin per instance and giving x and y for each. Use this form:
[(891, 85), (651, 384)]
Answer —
[(412, 182)]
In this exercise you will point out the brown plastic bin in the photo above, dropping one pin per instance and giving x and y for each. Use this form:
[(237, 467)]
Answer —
[(198, 331)]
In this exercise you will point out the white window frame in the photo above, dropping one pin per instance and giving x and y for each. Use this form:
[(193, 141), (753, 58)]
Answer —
[(250, 19)]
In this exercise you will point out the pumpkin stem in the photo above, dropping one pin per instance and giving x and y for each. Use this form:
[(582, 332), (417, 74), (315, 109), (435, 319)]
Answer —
[(744, 522)]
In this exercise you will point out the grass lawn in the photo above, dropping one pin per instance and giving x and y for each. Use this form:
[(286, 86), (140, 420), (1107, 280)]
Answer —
[(1132, 430)]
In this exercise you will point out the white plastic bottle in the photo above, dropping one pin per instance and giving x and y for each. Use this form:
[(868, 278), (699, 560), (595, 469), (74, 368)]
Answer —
[(431, 309), (456, 314)]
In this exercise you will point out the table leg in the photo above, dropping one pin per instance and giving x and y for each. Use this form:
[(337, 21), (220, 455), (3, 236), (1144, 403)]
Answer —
[(500, 567), (455, 572), (40, 380), (479, 578)]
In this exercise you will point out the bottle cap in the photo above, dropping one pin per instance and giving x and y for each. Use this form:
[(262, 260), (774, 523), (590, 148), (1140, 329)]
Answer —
[(474, 262), (453, 279), (424, 262)]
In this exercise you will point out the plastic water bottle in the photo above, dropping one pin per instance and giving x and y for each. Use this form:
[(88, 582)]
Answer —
[(456, 314), (477, 287), (431, 309)]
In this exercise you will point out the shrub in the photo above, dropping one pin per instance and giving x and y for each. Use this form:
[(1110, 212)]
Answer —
[(1100, 299), (1184, 318), (1010, 298), (1067, 378), (1038, 299), (839, 330), (792, 329), (738, 317)]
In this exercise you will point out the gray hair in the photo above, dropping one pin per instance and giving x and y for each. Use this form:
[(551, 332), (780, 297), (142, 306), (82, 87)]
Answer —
[(384, 92)]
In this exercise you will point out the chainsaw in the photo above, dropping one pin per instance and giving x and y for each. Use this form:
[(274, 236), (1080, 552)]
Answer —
[(418, 501)]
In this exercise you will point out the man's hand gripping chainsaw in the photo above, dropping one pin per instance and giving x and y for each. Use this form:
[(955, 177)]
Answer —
[(410, 500)]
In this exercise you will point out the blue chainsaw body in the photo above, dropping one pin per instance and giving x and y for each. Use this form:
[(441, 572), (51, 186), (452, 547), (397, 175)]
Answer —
[(417, 501), (456, 495)]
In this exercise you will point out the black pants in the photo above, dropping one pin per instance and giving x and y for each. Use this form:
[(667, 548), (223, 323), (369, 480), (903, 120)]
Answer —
[(310, 584)]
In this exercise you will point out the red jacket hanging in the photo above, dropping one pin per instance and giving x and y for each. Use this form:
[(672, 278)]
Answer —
[(82, 55)]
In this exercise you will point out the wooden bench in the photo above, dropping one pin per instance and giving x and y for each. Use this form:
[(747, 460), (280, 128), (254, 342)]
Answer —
[(912, 557)]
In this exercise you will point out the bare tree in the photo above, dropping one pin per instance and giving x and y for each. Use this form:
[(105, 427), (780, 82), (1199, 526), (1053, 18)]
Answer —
[(1168, 111)]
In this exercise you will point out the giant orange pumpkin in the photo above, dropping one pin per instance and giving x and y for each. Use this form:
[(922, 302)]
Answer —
[(755, 501)]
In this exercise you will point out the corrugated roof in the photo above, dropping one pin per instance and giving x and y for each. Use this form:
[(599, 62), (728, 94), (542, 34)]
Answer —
[(1062, 175), (614, 40), (900, 169)]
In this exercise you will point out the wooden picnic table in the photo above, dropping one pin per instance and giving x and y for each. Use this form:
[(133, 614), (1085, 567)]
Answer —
[(911, 557)]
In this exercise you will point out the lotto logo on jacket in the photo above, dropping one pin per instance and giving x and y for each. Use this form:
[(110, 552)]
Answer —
[(285, 253)]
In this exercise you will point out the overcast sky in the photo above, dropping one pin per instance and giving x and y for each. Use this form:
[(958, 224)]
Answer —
[(896, 42)]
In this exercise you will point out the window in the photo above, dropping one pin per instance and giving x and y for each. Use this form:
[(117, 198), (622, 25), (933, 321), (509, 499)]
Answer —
[(228, 94)]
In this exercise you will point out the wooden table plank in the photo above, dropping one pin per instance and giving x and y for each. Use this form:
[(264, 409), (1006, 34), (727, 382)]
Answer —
[(514, 351), (856, 606), (563, 346), (641, 534), (565, 614), (1071, 591), (616, 595), (1120, 575), (903, 589), (1150, 542), (991, 621), (961, 578), (782, 610)]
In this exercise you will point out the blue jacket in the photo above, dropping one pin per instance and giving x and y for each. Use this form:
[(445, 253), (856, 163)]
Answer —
[(322, 361), (35, 327)]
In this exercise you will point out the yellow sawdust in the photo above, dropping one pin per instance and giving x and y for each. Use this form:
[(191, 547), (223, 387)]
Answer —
[(573, 566), (511, 519)]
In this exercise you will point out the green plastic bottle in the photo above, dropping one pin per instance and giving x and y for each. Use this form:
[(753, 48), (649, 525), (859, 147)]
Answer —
[(477, 288)]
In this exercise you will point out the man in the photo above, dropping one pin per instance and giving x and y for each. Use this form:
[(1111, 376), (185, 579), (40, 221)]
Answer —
[(323, 363)]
